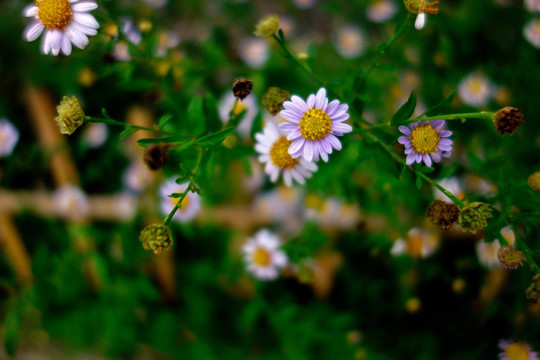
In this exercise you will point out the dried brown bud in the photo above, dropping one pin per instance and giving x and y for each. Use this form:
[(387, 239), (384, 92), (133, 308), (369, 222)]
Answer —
[(443, 213), (156, 156), (242, 88), (273, 99), (507, 119)]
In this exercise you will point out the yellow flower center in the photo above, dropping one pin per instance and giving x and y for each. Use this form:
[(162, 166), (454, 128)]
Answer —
[(315, 124), (424, 139), (184, 203), (239, 107), (261, 257), (516, 351), (54, 14), (415, 243), (279, 154), (476, 85)]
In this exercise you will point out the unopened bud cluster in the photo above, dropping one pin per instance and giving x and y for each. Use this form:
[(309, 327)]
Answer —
[(70, 115), (533, 291), (274, 98), (267, 26), (473, 217), (156, 237)]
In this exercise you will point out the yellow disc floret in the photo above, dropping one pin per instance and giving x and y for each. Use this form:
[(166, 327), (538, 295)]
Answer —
[(183, 204), (315, 124), (261, 257), (517, 351), (54, 14), (279, 153), (424, 139)]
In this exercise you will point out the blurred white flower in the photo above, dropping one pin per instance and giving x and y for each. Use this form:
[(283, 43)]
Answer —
[(132, 34), (156, 4), (126, 204), (137, 177), (167, 40), (420, 21), (95, 134), (532, 5), (304, 4), (121, 51), (380, 11), (476, 89), (249, 103), (263, 256), (531, 31), (254, 51), (190, 206), (281, 205), (254, 182), (331, 213), (351, 41), (487, 253), (418, 243), (9, 136), (452, 184), (71, 203)]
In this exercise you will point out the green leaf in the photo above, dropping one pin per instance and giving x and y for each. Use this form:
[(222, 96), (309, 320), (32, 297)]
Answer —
[(236, 118), (181, 180), (160, 140), (213, 120), (127, 132), (418, 182), (11, 341), (405, 111), (164, 120), (426, 169), (215, 138), (105, 113), (446, 102), (196, 117)]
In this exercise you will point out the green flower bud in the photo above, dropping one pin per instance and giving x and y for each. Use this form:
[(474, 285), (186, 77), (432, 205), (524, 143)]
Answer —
[(533, 291), (274, 98), (70, 115), (156, 237), (534, 181), (267, 26), (473, 217)]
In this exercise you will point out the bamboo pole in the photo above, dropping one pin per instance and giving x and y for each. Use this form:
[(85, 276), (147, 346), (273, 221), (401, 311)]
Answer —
[(14, 249)]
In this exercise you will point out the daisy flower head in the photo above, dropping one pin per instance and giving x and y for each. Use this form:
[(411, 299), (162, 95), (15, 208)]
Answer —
[(9, 136), (426, 141), (516, 351), (188, 209), (476, 89), (263, 256), (531, 32), (314, 125), (532, 5), (273, 148), (378, 11), (64, 21)]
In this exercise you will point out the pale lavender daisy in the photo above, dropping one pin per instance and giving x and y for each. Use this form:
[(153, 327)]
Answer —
[(9, 136), (189, 207), (425, 141), (313, 125), (64, 21), (273, 149), (263, 255), (516, 351)]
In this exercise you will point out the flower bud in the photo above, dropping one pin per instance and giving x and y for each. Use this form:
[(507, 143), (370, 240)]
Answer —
[(242, 88), (534, 181), (267, 26), (507, 119), (533, 291), (156, 237), (509, 257), (156, 156), (473, 217), (273, 100), (443, 213), (421, 6), (70, 115)]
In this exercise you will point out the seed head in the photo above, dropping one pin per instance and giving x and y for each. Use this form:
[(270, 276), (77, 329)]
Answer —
[(509, 257), (242, 88), (70, 115), (507, 119), (534, 181), (156, 237), (156, 156), (273, 100), (267, 26), (473, 217), (443, 213)]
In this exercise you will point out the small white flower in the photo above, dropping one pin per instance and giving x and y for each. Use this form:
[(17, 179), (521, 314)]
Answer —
[(418, 243), (9, 136), (476, 89), (121, 51), (190, 207), (420, 21), (249, 103), (380, 11), (487, 253), (95, 134), (71, 203), (137, 177), (263, 256), (351, 41), (130, 31), (282, 206), (64, 21), (166, 40), (531, 32), (452, 184), (331, 213), (254, 51), (532, 5), (273, 148)]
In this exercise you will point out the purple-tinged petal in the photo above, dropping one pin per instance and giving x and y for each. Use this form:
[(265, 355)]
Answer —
[(332, 107), (445, 142), (308, 150), (410, 159), (295, 134), (295, 107), (311, 101), (415, 125), (404, 140), (445, 133), (427, 159), (445, 147), (404, 130), (290, 116), (436, 156), (418, 158), (296, 145), (33, 31), (437, 124), (288, 127), (342, 128), (340, 118), (336, 144), (320, 97), (298, 101), (30, 10), (408, 151), (342, 109), (84, 6), (325, 145)]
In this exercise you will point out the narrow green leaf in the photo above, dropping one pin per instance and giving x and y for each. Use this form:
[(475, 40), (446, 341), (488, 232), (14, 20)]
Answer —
[(196, 117), (157, 140), (105, 113), (181, 180), (426, 169), (418, 182), (405, 111), (446, 102), (164, 120), (215, 138), (127, 132)]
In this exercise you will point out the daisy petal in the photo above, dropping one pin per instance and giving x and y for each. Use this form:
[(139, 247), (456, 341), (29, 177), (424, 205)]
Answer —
[(33, 31), (404, 130), (84, 6), (336, 144)]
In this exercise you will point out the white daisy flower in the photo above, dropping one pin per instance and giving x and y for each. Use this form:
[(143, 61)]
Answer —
[(351, 41), (331, 213), (418, 243), (130, 31), (531, 32), (190, 207), (263, 256), (273, 147), (249, 103), (304, 4), (313, 125), (71, 203), (95, 134), (476, 89), (64, 21), (380, 11), (487, 253), (137, 177), (9, 136), (254, 51), (121, 51), (452, 184), (532, 5)]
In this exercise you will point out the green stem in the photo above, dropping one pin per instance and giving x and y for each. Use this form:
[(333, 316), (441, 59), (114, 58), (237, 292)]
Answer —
[(418, 173), (169, 217), (90, 119)]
